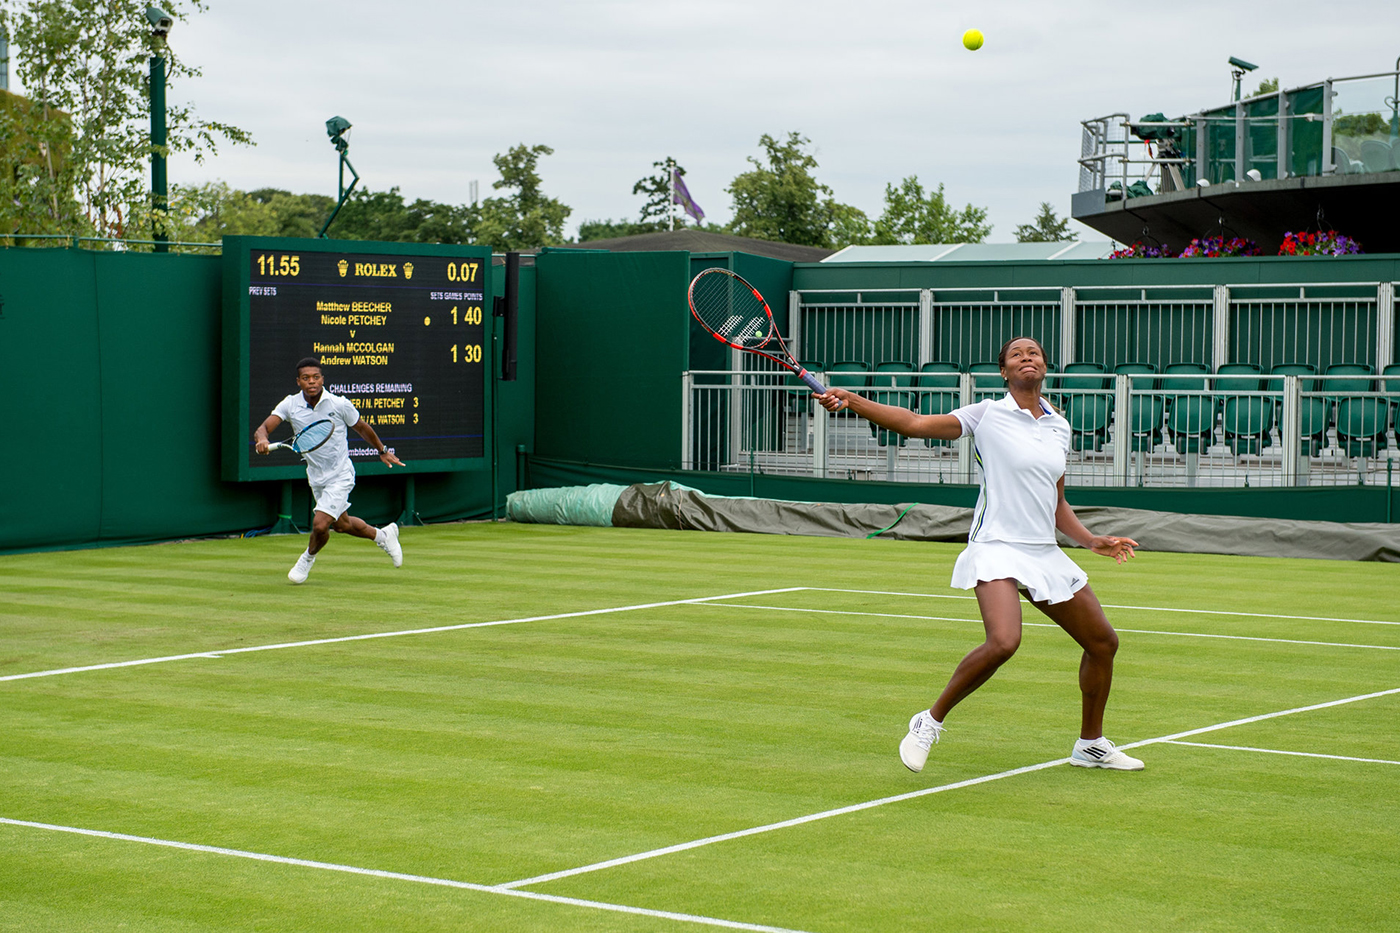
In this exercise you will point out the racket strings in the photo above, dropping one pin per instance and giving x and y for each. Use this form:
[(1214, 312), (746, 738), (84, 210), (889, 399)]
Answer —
[(730, 310), (313, 437)]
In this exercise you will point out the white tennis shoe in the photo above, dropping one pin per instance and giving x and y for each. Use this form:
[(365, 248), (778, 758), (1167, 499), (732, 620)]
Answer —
[(388, 541), (1101, 753), (924, 731), (302, 568)]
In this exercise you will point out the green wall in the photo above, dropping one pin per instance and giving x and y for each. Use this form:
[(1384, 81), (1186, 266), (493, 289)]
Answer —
[(111, 363), (612, 341)]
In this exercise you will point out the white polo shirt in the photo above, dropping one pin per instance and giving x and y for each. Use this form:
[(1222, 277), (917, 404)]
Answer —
[(1022, 459), (331, 461)]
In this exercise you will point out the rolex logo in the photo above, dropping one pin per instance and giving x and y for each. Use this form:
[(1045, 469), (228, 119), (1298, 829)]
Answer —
[(344, 267), (408, 270)]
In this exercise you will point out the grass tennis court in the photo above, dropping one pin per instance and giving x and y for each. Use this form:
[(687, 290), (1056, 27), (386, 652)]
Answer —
[(654, 690)]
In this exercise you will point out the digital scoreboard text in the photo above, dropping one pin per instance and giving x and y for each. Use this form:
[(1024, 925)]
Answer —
[(402, 337)]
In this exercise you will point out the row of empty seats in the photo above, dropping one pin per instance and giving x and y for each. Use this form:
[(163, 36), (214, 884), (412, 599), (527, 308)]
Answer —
[(1189, 420)]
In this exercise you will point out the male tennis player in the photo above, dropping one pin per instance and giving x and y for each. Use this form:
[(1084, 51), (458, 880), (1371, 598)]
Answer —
[(328, 468)]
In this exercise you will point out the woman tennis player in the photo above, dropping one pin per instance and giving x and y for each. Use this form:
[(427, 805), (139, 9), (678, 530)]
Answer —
[(1020, 443)]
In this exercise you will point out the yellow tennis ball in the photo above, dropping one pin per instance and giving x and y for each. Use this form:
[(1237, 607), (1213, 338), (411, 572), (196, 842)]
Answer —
[(972, 40)]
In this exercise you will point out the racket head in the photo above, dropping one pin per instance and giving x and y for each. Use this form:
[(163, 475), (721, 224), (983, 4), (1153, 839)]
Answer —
[(731, 309), (313, 436)]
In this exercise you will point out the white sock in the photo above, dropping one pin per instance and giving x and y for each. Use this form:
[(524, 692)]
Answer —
[(309, 556), (379, 536)]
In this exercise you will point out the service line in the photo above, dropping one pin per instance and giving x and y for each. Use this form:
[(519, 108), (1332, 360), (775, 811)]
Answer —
[(897, 798), (1134, 631), (1204, 612), (224, 652)]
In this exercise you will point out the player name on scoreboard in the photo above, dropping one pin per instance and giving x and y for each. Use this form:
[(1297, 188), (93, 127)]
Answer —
[(401, 337)]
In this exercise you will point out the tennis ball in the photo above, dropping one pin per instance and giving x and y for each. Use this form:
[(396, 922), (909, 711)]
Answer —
[(972, 40)]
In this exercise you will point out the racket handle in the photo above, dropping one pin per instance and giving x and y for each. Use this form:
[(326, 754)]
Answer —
[(811, 381)]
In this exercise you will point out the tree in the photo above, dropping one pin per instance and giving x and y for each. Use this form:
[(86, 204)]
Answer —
[(911, 216), (526, 218), (1045, 228), (849, 226), (781, 200), (86, 60), (1266, 86)]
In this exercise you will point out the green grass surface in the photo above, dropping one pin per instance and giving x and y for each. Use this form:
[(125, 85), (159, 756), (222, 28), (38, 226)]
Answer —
[(494, 754)]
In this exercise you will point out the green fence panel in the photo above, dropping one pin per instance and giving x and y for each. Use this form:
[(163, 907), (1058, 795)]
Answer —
[(614, 332)]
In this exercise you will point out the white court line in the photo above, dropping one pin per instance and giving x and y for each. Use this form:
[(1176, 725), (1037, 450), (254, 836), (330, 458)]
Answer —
[(399, 876), (222, 652), (1278, 751), (1134, 631), (1206, 612), (854, 808)]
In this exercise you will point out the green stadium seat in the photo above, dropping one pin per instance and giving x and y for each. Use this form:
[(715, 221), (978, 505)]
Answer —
[(849, 374), (1088, 415), (1362, 379), (1190, 418), (1247, 420), (1361, 425), (1238, 377), (1273, 384), (899, 400), (986, 380), (938, 375), (893, 374), (1138, 369), (1145, 421), (1314, 415), (1390, 384), (940, 402)]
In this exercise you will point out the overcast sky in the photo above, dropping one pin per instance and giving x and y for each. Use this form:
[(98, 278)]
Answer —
[(883, 88)]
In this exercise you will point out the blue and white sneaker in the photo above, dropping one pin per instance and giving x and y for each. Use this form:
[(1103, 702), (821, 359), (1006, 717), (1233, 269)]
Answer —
[(1100, 753), (924, 731)]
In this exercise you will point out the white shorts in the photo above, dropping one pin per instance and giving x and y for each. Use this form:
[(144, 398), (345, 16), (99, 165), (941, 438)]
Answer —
[(334, 497), (1043, 569)]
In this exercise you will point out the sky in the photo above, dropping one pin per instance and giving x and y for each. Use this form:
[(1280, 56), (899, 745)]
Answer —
[(882, 88)]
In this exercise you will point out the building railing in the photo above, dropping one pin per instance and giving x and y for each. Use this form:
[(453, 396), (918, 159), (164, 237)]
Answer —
[(1151, 430), (1339, 126)]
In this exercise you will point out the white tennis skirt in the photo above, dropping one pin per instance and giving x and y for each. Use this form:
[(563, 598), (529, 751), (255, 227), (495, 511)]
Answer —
[(1042, 569)]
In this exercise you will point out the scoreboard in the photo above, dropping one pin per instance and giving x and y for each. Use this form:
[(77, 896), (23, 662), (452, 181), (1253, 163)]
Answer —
[(400, 330)]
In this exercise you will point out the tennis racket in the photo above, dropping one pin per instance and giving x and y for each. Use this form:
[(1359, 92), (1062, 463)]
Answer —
[(307, 439), (735, 313)]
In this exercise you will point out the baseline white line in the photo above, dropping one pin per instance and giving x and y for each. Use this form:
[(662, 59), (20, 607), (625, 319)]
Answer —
[(400, 876), (1278, 751), (223, 652), (1207, 612), (854, 808), (1134, 631)]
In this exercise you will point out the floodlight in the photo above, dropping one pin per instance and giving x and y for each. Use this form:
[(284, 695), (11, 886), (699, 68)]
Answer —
[(1241, 63)]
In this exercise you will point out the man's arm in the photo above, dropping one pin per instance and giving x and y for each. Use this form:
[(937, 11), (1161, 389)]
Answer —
[(363, 429), (260, 435)]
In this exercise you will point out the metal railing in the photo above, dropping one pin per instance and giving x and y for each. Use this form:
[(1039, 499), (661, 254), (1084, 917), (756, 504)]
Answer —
[(1338, 126), (1150, 430)]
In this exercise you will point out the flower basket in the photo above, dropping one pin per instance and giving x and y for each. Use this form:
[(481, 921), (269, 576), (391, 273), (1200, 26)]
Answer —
[(1322, 243)]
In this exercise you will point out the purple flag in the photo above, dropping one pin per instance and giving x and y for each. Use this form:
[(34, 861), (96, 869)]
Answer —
[(680, 195)]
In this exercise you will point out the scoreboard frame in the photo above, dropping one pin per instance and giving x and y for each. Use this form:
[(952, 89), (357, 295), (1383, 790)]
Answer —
[(238, 353)]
